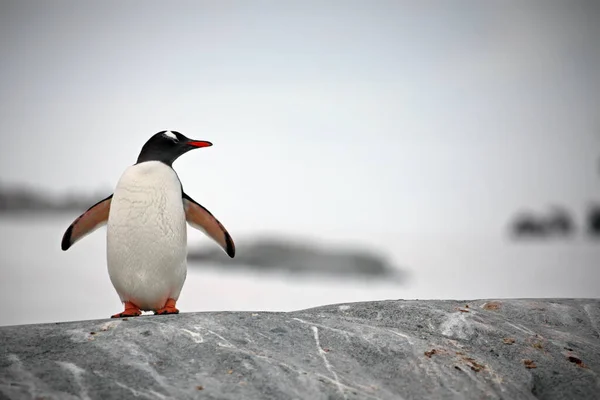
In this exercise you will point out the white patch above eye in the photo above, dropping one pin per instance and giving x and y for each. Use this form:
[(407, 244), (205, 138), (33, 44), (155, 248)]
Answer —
[(170, 135)]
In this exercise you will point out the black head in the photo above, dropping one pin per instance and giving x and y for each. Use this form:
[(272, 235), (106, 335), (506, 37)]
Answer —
[(167, 146)]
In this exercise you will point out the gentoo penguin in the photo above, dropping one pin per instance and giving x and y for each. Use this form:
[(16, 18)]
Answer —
[(146, 227)]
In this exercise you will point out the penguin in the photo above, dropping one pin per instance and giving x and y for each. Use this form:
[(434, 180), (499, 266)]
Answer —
[(146, 227)]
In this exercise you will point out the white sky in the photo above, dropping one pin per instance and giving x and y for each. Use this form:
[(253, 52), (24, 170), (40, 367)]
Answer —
[(325, 116)]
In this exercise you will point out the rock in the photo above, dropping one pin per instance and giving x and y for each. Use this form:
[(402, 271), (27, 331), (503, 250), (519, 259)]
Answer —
[(296, 256), (502, 349), (558, 223), (24, 200), (594, 221)]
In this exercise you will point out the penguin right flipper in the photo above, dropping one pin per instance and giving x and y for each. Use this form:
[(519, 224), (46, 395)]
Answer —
[(200, 218), (86, 223)]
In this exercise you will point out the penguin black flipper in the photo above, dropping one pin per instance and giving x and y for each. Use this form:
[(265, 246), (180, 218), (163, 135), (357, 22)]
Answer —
[(200, 218), (86, 223)]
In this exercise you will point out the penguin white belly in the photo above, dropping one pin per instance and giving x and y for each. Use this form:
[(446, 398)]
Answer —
[(147, 236)]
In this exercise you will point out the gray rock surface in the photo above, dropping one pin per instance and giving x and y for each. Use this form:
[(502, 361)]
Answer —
[(483, 349)]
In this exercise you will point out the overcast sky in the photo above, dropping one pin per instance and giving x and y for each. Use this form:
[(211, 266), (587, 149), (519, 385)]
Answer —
[(325, 116)]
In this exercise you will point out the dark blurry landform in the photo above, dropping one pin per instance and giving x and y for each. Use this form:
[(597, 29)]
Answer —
[(20, 199), (297, 256), (557, 223), (594, 220)]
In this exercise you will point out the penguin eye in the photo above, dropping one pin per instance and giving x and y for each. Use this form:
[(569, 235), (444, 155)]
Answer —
[(171, 135)]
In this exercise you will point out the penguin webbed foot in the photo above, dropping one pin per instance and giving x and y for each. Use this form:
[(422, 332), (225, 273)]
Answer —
[(169, 308), (131, 310)]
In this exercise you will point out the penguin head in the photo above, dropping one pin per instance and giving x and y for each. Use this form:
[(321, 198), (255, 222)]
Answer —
[(167, 146)]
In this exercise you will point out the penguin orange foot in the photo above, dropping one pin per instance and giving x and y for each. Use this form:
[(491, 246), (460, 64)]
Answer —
[(131, 310), (169, 308)]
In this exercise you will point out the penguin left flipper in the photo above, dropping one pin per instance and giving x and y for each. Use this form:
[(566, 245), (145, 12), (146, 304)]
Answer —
[(200, 218), (86, 223)]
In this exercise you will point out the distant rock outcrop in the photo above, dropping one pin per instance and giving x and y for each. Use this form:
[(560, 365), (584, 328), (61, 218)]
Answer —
[(18, 199), (558, 222), (298, 257), (495, 349), (594, 221)]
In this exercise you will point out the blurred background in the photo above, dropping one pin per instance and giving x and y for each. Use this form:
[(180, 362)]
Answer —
[(362, 150)]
